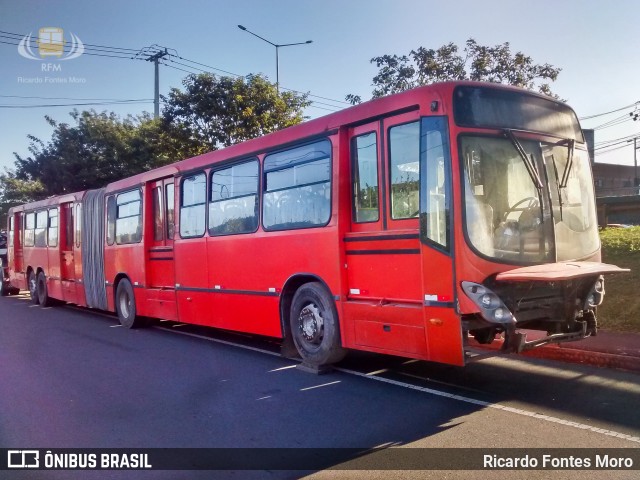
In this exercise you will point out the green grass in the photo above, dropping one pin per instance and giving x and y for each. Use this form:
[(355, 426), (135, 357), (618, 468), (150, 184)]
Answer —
[(620, 311)]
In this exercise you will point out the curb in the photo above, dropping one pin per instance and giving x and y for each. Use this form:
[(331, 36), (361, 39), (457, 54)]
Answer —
[(586, 357)]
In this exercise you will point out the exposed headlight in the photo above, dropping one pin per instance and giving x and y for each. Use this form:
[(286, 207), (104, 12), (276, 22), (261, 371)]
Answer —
[(596, 295), (491, 307)]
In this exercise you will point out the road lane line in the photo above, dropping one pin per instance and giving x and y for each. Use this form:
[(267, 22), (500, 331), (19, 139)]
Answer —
[(223, 342), (431, 391), (497, 406)]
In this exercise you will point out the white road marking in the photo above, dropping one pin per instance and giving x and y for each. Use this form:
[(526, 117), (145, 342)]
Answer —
[(430, 391), (497, 406), (320, 386)]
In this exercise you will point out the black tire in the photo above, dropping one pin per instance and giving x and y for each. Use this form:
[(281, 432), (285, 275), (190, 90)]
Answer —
[(43, 293), (33, 288), (126, 305), (314, 326)]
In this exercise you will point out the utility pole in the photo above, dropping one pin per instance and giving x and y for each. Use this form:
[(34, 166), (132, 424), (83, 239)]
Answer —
[(156, 98), (636, 181)]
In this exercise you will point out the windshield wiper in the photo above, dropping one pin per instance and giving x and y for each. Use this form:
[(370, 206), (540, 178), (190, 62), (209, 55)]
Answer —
[(533, 172), (567, 167)]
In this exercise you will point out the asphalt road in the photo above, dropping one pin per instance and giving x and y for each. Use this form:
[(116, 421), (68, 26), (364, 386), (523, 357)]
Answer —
[(71, 378)]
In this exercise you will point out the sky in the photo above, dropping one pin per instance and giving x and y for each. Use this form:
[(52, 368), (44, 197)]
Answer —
[(594, 42)]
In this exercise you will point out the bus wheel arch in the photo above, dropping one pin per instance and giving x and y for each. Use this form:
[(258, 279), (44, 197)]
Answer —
[(312, 321)]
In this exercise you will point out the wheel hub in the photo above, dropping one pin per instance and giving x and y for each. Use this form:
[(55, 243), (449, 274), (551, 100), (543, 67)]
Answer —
[(311, 323)]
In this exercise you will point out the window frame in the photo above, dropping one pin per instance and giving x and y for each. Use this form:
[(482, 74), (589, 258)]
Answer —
[(447, 185), (170, 207), (112, 212), (265, 172), (139, 215), (354, 164), (388, 165), (49, 227), (258, 195), (43, 230), (11, 230), (181, 205)]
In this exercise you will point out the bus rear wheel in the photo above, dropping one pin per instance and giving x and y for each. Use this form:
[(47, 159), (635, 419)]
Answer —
[(43, 294), (33, 288), (314, 326), (126, 305)]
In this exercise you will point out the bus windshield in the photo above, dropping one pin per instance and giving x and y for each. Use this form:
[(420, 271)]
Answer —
[(521, 211)]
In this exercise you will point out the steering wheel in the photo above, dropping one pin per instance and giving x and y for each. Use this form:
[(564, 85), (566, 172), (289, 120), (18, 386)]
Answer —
[(532, 203)]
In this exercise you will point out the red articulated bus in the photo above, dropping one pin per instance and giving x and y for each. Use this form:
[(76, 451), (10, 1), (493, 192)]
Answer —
[(417, 225)]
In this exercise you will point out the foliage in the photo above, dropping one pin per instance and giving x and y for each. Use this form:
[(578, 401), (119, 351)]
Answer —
[(621, 240), (620, 310), (98, 148), (477, 62), (221, 111)]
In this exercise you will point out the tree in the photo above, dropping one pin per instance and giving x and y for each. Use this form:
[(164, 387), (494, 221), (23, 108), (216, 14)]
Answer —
[(100, 148), (481, 63), (221, 111)]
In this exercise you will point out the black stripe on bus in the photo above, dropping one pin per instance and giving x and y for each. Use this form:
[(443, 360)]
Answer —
[(232, 292), (429, 303), (399, 251), (161, 258), (408, 236)]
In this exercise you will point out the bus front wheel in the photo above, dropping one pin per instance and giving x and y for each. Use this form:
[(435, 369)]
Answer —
[(314, 326), (126, 305)]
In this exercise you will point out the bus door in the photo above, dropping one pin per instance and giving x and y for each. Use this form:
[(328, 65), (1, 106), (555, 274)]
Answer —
[(160, 254), (67, 256), (397, 282), (382, 250), (18, 255)]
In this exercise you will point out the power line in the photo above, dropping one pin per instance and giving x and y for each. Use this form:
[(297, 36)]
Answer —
[(73, 98), (78, 104), (17, 36), (607, 113), (136, 54), (85, 53)]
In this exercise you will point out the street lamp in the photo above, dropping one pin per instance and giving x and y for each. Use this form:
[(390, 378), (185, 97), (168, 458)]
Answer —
[(277, 45)]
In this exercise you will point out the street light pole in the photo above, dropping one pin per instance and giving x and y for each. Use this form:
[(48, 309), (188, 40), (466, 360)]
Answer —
[(277, 45)]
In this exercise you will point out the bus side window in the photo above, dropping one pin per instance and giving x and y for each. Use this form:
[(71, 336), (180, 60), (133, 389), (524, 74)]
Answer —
[(365, 178), (435, 161), (129, 217), (170, 210), (68, 228), (158, 217), (193, 199), (78, 224), (233, 205), (11, 229), (41, 228), (52, 227), (111, 220), (297, 187), (404, 148)]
